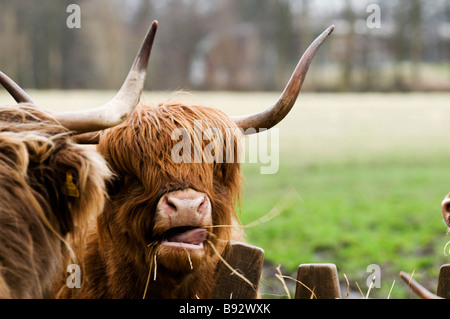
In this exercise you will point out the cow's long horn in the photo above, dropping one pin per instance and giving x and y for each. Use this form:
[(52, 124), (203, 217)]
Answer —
[(274, 114), (123, 104), (19, 95)]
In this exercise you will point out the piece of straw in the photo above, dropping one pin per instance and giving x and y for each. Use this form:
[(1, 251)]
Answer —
[(359, 289), (153, 250), (313, 295), (281, 206), (289, 199), (281, 278), (189, 255), (348, 287), (233, 271), (389, 295), (445, 247), (156, 265), (370, 287)]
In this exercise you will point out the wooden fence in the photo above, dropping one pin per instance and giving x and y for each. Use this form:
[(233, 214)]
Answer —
[(240, 268)]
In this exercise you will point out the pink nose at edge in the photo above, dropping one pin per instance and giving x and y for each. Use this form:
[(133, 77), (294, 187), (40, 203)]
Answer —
[(446, 210)]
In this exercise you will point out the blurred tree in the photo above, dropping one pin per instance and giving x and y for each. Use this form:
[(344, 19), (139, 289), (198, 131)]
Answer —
[(349, 41), (416, 42), (227, 44), (399, 45), (446, 46)]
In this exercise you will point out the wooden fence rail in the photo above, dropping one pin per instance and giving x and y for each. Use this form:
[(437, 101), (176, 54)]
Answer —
[(240, 261), (443, 288), (317, 281), (240, 270)]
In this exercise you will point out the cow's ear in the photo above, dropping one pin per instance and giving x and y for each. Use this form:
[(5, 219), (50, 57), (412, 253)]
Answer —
[(81, 176)]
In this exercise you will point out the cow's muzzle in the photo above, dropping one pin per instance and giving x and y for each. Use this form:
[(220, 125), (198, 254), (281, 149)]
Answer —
[(182, 219)]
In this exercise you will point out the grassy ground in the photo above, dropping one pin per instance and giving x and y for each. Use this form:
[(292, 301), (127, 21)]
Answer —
[(355, 213), (368, 173), (371, 171)]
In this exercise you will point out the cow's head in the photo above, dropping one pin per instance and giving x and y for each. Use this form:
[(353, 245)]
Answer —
[(166, 204), (159, 199), (65, 180)]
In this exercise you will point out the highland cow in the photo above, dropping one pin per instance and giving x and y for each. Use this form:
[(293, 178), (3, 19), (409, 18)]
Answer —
[(51, 186), (166, 222)]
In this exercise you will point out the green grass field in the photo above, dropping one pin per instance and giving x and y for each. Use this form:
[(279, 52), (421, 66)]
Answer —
[(368, 173)]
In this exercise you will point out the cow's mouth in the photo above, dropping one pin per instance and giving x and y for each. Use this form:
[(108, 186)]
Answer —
[(185, 237)]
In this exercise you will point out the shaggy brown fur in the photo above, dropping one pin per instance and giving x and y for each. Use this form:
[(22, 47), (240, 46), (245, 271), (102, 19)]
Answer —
[(122, 254), (37, 210)]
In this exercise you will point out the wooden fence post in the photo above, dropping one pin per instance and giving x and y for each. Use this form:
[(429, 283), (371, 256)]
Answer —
[(443, 288), (247, 260), (321, 279)]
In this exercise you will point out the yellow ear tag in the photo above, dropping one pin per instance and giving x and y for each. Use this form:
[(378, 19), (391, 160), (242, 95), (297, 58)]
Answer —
[(71, 189)]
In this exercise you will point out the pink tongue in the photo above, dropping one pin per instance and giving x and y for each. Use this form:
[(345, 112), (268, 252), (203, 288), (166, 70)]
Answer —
[(194, 237)]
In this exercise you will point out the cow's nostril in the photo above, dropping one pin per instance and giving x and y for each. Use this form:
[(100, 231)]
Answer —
[(170, 202), (203, 204), (447, 207)]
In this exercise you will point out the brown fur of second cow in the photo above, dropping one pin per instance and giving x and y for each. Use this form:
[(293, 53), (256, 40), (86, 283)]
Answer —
[(49, 184)]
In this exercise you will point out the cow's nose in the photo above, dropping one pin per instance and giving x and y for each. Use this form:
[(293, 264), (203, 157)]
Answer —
[(185, 203), (186, 207), (446, 210)]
